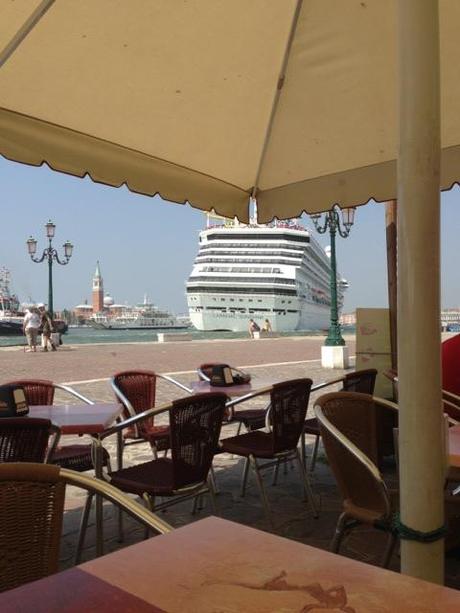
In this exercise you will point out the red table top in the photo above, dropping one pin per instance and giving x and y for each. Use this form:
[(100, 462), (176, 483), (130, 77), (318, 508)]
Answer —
[(79, 418), (454, 446), (216, 565)]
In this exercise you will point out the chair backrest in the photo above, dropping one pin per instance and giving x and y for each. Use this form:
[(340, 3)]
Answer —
[(358, 478), (24, 439), (362, 381), (31, 510), (36, 391), (204, 371), (195, 423), (139, 388), (288, 408), (355, 416)]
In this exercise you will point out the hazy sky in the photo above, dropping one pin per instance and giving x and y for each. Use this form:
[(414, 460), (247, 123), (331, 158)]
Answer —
[(146, 245)]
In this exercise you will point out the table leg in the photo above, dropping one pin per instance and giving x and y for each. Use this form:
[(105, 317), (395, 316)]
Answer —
[(99, 501)]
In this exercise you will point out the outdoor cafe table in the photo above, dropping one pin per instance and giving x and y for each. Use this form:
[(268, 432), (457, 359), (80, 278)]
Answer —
[(233, 391), (216, 565), (90, 419)]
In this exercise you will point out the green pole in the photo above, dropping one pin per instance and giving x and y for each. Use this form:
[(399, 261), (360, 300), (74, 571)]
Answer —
[(334, 338), (50, 283)]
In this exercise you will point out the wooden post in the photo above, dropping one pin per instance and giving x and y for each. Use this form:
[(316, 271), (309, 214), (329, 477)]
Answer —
[(392, 246), (421, 457)]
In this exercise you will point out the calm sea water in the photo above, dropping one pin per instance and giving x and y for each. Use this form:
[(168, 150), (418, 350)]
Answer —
[(82, 336)]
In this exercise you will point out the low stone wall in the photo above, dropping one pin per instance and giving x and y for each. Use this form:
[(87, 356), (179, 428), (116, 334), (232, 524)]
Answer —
[(169, 337)]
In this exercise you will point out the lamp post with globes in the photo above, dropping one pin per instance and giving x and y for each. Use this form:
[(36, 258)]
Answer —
[(51, 255), (333, 223)]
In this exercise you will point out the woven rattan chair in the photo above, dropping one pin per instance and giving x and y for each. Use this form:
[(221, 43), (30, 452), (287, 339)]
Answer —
[(41, 392), (348, 424), (362, 381), (136, 390), (285, 419), (27, 439), (195, 424), (31, 511)]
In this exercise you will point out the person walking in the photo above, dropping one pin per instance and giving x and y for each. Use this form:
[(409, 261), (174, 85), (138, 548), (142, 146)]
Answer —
[(267, 327), (46, 320), (253, 327), (30, 327)]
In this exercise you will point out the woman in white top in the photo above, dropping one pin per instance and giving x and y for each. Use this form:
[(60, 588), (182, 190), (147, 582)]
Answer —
[(30, 327)]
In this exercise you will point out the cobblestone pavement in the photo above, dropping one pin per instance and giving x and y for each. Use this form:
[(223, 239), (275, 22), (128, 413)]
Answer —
[(278, 359)]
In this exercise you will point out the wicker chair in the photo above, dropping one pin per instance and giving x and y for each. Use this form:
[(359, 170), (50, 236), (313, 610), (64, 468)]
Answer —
[(27, 439), (359, 381), (285, 419), (348, 425), (31, 511), (136, 390), (195, 424), (74, 457), (450, 401)]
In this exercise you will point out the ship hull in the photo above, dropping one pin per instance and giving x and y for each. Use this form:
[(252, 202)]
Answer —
[(311, 317)]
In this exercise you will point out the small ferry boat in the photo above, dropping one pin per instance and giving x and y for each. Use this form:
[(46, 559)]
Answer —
[(10, 317), (11, 313)]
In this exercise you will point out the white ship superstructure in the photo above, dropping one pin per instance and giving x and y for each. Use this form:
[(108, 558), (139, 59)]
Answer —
[(277, 272)]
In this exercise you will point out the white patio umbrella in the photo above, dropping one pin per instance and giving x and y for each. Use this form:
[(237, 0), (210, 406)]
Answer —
[(293, 103)]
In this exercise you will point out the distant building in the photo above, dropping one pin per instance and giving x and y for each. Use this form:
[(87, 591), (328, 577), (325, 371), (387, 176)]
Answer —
[(348, 319), (98, 290)]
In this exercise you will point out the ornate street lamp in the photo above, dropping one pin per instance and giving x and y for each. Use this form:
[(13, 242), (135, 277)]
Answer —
[(333, 224), (51, 255)]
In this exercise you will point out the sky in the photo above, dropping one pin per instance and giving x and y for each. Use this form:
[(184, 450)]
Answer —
[(147, 246)]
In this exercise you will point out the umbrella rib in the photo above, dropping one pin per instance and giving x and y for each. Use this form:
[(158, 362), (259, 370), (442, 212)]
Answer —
[(277, 94), (24, 30)]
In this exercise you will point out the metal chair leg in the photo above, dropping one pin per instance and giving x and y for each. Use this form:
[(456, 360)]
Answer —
[(315, 454), (303, 453), (391, 542), (275, 473), (212, 476), (83, 526), (263, 493), (339, 532), (307, 486), (245, 477), (213, 497), (149, 502), (239, 428)]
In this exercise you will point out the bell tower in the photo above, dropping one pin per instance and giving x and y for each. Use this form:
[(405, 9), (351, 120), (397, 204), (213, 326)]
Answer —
[(98, 290)]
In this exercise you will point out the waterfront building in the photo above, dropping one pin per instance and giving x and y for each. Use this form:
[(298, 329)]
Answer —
[(98, 290)]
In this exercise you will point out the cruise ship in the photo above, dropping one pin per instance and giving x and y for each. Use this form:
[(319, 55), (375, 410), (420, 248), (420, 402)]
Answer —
[(277, 272)]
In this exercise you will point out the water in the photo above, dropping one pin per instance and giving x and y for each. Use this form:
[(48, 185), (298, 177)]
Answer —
[(83, 336)]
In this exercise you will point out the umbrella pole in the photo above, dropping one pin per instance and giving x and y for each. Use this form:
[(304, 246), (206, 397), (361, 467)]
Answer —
[(421, 457), (392, 249)]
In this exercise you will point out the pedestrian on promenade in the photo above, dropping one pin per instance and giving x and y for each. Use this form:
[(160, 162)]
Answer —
[(267, 327), (253, 327), (30, 327), (47, 328)]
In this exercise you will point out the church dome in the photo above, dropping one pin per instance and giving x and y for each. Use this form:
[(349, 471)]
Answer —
[(108, 301)]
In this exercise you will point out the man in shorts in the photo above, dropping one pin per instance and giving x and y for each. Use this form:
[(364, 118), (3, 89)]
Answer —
[(30, 327)]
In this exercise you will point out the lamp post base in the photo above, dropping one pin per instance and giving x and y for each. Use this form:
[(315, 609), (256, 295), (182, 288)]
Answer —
[(335, 357)]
